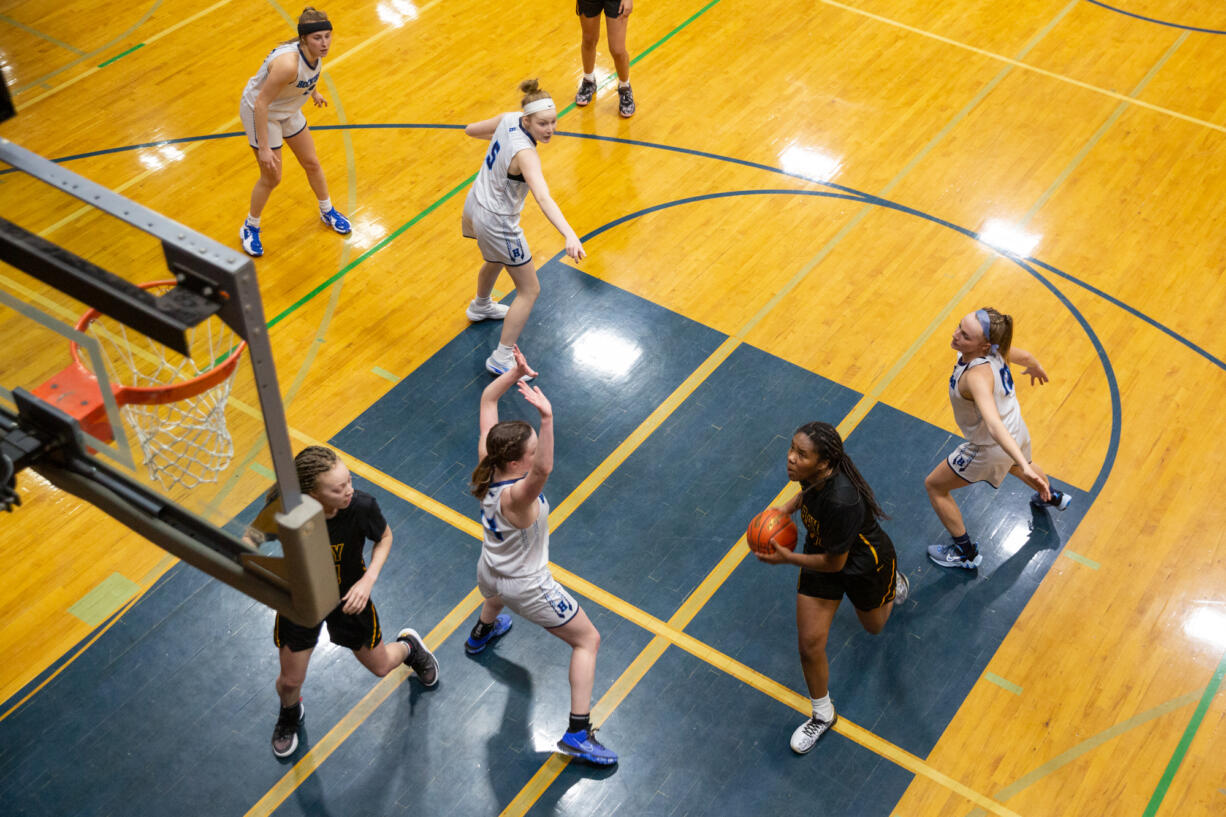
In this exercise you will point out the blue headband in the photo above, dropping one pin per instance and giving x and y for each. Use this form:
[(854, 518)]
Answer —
[(985, 322)]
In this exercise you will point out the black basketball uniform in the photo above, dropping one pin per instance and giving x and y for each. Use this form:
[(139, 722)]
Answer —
[(838, 520), (348, 532)]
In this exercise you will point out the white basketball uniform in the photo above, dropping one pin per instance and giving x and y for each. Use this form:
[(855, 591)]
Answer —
[(980, 458), (285, 117), (514, 564), (491, 211)]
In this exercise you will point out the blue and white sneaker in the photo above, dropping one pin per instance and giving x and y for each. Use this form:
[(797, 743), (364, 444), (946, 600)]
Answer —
[(949, 556), (584, 746), (502, 623), (1059, 500), (336, 221), (496, 366), (250, 236)]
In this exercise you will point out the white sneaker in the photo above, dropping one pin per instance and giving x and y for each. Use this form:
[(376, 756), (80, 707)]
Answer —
[(492, 311), (497, 366), (806, 735)]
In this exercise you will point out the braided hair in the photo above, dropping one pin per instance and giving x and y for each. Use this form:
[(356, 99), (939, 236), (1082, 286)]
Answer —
[(309, 463), (829, 447), (1000, 331), (505, 442)]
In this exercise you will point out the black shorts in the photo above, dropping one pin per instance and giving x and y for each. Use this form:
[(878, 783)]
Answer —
[(867, 590), (592, 8), (353, 631)]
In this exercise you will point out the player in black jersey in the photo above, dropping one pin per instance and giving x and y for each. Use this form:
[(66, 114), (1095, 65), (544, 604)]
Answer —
[(353, 517), (845, 552)]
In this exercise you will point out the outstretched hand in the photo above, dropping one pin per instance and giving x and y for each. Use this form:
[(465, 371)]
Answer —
[(1036, 372), (536, 397), (522, 369)]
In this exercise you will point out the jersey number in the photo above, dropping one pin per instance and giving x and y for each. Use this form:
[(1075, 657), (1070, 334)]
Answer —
[(1006, 380), (489, 160)]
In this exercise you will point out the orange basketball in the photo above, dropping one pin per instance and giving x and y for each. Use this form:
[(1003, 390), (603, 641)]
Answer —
[(772, 525)]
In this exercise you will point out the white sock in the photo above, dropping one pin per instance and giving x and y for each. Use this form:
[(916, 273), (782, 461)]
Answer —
[(252, 221), (325, 205), (625, 84), (590, 77), (479, 301), (823, 709), (504, 352)]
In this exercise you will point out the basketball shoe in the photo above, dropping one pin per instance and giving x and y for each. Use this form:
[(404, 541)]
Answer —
[(336, 221), (483, 634), (950, 556), (1059, 500), (807, 734), (583, 746), (625, 101), (488, 311), (902, 587), (285, 733), (587, 89), (250, 236), (420, 659)]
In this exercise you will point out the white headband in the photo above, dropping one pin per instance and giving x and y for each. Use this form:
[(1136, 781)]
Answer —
[(542, 104)]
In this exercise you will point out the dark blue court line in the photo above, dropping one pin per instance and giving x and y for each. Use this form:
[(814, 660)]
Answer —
[(1108, 370), (1152, 20)]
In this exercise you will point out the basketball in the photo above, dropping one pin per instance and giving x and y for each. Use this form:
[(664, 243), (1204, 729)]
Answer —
[(772, 525)]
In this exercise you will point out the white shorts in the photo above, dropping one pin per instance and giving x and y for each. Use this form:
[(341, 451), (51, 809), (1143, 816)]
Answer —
[(537, 598), (280, 126), (499, 237), (984, 463)]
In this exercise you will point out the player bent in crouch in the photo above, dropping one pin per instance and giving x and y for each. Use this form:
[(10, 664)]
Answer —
[(491, 214), (352, 518), (985, 405), (513, 570), (845, 552), (271, 113)]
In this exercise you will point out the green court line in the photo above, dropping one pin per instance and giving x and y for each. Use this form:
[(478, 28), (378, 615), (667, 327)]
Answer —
[(1077, 557), (263, 470), (1086, 746), (1003, 683), (97, 605), (37, 33), (1188, 734), (385, 374), (120, 55)]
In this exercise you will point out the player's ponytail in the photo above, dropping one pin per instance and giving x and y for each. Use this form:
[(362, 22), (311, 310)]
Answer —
[(829, 447), (310, 14), (1000, 331), (504, 443)]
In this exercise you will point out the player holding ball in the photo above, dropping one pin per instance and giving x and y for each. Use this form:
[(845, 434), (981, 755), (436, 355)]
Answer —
[(845, 552)]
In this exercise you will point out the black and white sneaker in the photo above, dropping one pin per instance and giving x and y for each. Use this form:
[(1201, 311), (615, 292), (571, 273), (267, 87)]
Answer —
[(587, 90), (420, 659), (625, 101), (902, 587), (1059, 500), (807, 734), (285, 733)]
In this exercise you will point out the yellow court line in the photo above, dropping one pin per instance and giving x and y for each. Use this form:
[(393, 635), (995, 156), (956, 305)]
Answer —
[(355, 717), (1026, 66)]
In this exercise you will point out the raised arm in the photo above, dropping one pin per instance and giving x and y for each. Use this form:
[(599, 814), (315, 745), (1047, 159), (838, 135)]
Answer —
[(494, 392), (519, 501), (530, 167), (483, 129)]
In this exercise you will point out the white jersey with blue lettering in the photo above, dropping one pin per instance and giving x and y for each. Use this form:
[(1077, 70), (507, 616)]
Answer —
[(509, 551), (294, 95), (966, 413), (495, 188)]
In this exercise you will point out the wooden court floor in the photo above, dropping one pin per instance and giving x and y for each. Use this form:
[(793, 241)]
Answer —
[(808, 180)]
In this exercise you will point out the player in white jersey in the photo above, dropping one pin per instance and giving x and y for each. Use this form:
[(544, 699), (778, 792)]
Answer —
[(514, 568), (271, 113), (984, 400), (491, 214)]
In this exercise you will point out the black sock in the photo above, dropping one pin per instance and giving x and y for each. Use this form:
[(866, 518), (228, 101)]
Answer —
[(965, 546), (481, 630), (580, 723)]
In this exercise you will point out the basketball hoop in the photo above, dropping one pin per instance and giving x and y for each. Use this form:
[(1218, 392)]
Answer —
[(174, 404)]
